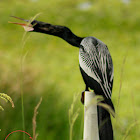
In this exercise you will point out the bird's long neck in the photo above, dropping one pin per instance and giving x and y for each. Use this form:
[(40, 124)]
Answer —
[(56, 30)]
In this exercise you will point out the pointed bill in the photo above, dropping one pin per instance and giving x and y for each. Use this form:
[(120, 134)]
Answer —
[(20, 18), (25, 26)]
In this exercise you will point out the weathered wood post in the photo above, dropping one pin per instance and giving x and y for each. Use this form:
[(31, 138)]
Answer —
[(90, 118)]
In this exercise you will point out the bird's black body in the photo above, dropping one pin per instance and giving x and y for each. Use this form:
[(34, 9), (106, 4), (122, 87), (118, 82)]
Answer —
[(95, 65), (97, 71)]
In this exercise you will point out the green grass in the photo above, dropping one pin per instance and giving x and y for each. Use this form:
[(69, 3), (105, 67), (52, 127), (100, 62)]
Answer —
[(51, 66)]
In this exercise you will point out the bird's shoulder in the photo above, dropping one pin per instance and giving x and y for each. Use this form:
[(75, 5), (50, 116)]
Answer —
[(95, 49), (92, 42), (89, 41)]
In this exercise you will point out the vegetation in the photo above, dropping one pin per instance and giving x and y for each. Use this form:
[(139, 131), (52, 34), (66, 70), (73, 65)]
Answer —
[(50, 67), (6, 98)]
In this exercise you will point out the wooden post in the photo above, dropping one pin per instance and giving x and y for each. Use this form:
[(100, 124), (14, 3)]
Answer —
[(90, 118)]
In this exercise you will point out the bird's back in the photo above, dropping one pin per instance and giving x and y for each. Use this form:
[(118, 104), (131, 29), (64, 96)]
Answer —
[(96, 62)]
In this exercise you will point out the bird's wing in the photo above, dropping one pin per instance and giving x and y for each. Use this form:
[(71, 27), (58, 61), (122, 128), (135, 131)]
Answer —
[(96, 61)]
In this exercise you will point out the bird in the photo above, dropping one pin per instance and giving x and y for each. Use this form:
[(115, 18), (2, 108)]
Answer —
[(95, 63)]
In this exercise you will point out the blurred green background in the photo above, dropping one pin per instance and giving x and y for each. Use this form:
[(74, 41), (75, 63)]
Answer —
[(51, 70)]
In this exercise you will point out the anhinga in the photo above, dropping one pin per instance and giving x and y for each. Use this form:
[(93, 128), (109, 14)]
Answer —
[(95, 65)]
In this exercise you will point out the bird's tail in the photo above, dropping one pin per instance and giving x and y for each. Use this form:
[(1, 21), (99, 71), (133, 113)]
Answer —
[(104, 123)]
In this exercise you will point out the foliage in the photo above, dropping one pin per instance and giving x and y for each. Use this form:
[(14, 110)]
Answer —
[(6, 98)]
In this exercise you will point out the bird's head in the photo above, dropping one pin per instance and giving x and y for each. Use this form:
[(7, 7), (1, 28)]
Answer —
[(28, 26)]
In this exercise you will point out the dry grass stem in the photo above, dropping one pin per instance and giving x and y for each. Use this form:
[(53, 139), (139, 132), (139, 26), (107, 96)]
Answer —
[(34, 119)]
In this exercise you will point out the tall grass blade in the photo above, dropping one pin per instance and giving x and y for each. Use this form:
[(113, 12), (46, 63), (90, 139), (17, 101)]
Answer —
[(73, 115), (129, 129), (22, 58), (121, 77)]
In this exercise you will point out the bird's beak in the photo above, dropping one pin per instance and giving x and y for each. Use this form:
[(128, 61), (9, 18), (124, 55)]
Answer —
[(27, 26)]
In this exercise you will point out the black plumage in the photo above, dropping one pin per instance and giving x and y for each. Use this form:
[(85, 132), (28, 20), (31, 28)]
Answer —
[(95, 65), (97, 71)]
